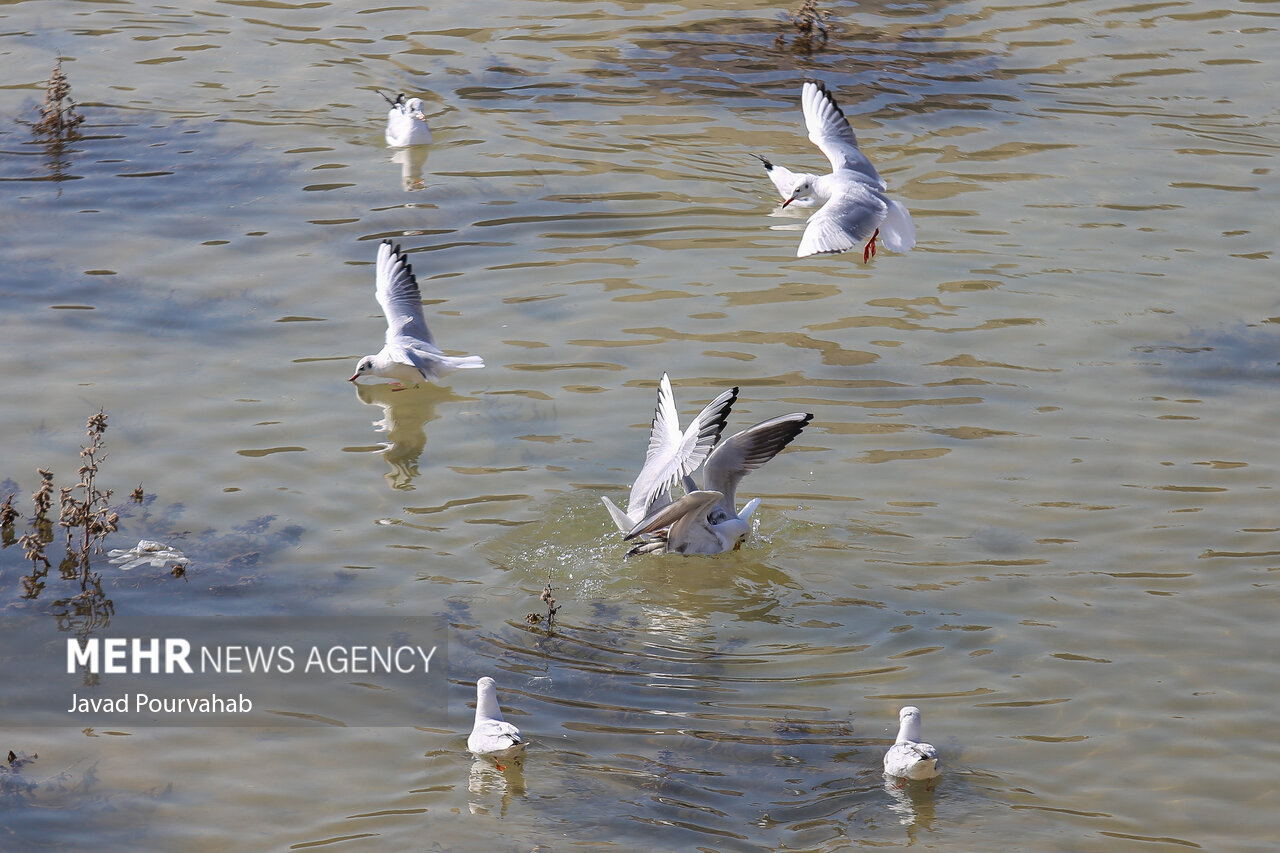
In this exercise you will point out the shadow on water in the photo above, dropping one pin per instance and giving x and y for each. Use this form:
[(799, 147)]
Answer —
[(1208, 358)]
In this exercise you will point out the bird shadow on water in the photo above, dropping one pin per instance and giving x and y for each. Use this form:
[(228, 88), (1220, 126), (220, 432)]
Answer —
[(1236, 353)]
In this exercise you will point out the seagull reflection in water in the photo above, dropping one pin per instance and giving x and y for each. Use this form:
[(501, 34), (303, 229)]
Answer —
[(405, 414)]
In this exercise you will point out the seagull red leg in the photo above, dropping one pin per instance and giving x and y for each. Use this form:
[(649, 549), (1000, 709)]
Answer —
[(869, 250)]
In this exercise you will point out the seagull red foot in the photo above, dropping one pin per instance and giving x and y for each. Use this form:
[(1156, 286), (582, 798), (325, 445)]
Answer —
[(869, 250)]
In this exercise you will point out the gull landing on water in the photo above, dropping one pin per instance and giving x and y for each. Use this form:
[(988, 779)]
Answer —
[(854, 206), (410, 353), (910, 757), (492, 735), (406, 123)]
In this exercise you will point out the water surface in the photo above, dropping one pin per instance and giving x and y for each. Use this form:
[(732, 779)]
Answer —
[(1035, 499)]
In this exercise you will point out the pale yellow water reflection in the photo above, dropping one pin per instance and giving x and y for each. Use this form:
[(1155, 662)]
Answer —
[(1036, 499)]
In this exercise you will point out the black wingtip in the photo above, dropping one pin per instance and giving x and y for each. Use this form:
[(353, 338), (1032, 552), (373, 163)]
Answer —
[(831, 98), (768, 167)]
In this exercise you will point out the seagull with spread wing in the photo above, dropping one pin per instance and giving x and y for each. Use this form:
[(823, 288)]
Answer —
[(673, 453), (855, 210), (707, 521), (410, 354)]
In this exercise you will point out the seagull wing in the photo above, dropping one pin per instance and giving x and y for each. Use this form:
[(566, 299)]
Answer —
[(746, 451), (674, 453), (830, 131), (846, 221), (679, 515), (397, 292), (494, 736)]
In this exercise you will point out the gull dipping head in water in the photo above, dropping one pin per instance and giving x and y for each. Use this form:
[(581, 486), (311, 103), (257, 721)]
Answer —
[(406, 124), (491, 735), (410, 354), (854, 206), (909, 757), (673, 453), (707, 521)]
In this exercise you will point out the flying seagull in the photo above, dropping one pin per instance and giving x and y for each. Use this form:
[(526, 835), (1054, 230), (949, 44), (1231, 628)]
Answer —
[(854, 205), (410, 354)]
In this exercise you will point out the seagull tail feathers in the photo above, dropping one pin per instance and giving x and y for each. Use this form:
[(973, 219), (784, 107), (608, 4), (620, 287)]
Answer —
[(461, 362), (898, 231)]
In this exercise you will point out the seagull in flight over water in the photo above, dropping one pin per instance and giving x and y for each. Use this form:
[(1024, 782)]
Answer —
[(910, 757), (406, 124), (854, 205), (410, 353)]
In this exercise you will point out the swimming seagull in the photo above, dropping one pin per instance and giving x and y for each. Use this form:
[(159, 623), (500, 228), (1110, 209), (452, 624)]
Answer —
[(909, 757), (672, 453), (492, 735), (707, 521), (854, 206), (410, 353), (406, 124)]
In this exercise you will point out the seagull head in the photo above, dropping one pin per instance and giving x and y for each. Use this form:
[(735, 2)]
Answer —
[(800, 190), (364, 368), (413, 107)]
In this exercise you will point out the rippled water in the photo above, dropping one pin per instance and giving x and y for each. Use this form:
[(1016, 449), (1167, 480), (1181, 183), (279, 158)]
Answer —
[(1036, 498)]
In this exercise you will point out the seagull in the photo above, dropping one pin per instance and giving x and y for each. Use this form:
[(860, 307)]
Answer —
[(707, 521), (672, 453), (410, 353), (854, 206), (909, 757), (491, 735), (406, 125)]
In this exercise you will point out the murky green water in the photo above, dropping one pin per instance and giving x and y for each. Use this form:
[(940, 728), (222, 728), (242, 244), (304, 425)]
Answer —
[(1036, 499)]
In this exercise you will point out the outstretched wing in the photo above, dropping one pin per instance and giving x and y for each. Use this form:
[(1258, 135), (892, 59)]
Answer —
[(846, 221), (674, 453), (830, 131), (398, 294), (746, 451)]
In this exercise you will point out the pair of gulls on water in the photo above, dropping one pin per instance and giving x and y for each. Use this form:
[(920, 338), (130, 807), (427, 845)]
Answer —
[(706, 520), (491, 735)]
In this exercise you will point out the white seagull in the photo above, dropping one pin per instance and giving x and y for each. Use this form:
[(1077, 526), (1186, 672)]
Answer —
[(491, 735), (410, 353), (672, 453), (406, 124), (707, 521), (854, 206), (909, 757)]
